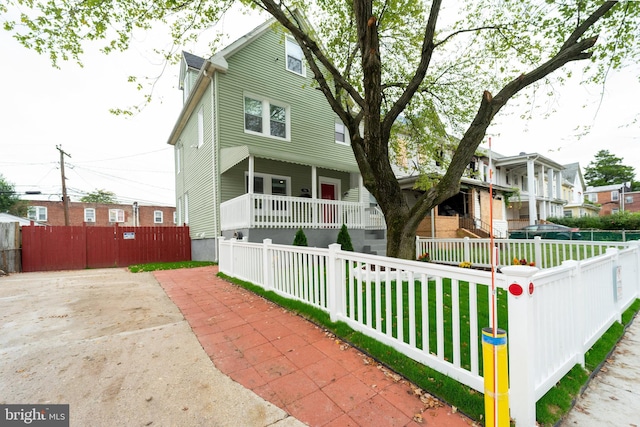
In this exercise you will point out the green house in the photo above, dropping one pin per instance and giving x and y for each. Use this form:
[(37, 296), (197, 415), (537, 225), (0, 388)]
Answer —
[(260, 153)]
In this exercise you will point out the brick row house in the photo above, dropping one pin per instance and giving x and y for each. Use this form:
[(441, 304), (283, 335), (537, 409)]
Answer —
[(101, 214), (614, 198)]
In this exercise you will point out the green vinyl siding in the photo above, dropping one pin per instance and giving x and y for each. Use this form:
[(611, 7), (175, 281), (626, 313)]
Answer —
[(196, 176), (259, 69)]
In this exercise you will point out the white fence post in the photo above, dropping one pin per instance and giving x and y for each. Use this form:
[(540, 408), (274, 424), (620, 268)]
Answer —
[(267, 276), (579, 314), (537, 252), (522, 395), (617, 286), (637, 268), (466, 256), (335, 297)]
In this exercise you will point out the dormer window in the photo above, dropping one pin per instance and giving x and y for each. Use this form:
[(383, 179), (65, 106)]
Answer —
[(294, 57)]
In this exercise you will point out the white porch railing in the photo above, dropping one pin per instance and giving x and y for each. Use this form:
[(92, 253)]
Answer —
[(405, 304), (543, 253), (268, 211)]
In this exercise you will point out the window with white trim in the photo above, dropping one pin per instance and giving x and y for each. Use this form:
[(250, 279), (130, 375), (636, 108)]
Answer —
[(615, 211), (178, 148), (295, 57), (628, 199), (116, 215), (615, 195), (37, 213), (266, 117), (342, 135), (200, 126), (157, 217), (186, 208), (89, 215), (175, 217)]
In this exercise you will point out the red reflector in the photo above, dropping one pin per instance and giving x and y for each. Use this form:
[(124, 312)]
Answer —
[(530, 288), (515, 289)]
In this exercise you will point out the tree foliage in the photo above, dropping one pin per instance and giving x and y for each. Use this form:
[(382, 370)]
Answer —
[(344, 239), (300, 238), (99, 196), (607, 169), (8, 196), (10, 201), (433, 69)]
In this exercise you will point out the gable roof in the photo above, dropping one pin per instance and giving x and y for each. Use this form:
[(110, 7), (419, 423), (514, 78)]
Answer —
[(193, 61)]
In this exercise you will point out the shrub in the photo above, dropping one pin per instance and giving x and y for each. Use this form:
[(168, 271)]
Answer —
[(424, 257), (300, 239), (344, 239)]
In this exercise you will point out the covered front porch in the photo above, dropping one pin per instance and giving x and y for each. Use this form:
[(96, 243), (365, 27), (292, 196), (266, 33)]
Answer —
[(271, 211)]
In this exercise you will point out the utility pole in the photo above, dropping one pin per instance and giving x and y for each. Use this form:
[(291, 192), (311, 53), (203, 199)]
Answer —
[(65, 199)]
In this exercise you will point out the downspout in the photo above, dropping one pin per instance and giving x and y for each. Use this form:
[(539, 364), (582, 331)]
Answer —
[(215, 161)]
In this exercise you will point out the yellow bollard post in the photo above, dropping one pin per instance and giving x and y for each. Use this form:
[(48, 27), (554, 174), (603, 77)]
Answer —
[(496, 378)]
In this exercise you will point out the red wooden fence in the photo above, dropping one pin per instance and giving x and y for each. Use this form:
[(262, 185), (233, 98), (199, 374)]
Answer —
[(79, 247)]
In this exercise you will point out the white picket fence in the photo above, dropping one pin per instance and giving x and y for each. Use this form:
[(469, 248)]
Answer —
[(543, 253), (433, 313)]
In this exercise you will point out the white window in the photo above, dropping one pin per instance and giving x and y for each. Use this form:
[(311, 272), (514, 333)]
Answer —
[(342, 136), (200, 127), (614, 211), (294, 57), (186, 209), (614, 195), (269, 184), (175, 217), (157, 217), (178, 147), (89, 215), (628, 199), (116, 215), (37, 213), (592, 197), (266, 117)]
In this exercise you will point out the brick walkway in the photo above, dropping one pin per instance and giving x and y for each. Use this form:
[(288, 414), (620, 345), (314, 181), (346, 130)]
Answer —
[(293, 363)]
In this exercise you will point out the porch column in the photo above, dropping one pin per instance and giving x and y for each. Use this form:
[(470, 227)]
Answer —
[(251, 167), (531, 174), (314, 196), (314, 182), (550, 183), (559, 185)]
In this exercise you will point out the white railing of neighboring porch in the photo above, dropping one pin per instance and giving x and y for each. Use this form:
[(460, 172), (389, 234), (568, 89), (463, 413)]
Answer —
[(543, 253), (561, 313), (269, 211)]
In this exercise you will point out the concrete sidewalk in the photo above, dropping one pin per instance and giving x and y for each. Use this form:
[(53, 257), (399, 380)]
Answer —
[(612, 398)]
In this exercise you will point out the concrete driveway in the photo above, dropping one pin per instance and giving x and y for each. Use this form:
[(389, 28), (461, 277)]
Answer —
[(113, 346)]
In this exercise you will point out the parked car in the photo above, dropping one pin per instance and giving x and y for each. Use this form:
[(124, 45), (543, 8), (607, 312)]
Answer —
[(547, 231)]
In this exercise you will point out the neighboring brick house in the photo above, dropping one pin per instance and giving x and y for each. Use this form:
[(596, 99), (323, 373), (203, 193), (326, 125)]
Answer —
[(614, 198), (101, 214)]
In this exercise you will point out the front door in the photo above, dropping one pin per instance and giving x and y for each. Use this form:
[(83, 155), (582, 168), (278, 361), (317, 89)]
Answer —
[(328, 192)]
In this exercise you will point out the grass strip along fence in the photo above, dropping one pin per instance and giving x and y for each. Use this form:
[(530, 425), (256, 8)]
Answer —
[(433, 314), (550, 408)]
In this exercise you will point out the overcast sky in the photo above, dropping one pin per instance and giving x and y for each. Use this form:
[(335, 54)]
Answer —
[(42, 107)]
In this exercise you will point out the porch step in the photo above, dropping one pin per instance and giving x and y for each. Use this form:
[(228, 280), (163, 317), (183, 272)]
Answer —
[(375, 242)]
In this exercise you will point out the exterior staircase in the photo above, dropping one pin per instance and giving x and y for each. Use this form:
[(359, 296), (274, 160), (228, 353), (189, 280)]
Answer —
[(375, 242)]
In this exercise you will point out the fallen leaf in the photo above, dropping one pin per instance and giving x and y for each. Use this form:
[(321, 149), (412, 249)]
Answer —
[(418, 418)]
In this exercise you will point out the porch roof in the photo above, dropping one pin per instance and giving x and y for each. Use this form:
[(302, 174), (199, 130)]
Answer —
[(231, 156)]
